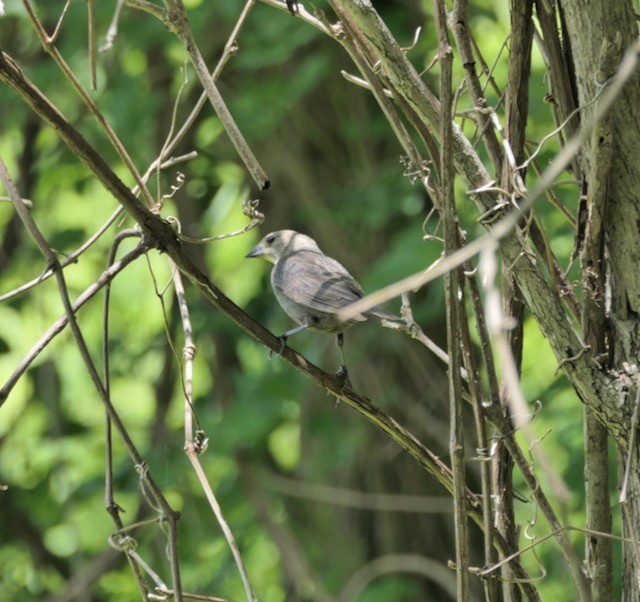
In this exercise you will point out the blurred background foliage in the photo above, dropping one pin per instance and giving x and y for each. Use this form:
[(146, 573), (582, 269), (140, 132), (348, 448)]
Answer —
[(287, 464)]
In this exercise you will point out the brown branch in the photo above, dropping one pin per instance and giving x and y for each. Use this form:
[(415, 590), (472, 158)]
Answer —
[(178, 22), (517, 110), (557, 59), (513, 311), (112, 508), (192, 446), (594, 387), (453, 282), (160, 234), (460, 28), (169, 515), (480, 422), (62, 322)]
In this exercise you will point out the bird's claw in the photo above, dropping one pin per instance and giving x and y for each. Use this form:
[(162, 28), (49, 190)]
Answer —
[(343, 377), (283, 344)]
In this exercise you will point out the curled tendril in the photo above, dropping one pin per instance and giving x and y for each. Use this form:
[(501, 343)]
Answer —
[(249, 208)]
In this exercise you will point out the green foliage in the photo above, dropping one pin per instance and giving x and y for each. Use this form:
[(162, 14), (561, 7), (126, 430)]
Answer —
[(336, 174)]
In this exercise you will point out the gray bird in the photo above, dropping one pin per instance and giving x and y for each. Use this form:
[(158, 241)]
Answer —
[(310, 286)]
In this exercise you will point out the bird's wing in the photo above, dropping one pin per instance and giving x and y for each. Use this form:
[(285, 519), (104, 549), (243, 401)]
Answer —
[(315, 281)]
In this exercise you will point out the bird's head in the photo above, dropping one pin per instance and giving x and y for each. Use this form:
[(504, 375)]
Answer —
[(275, 244)]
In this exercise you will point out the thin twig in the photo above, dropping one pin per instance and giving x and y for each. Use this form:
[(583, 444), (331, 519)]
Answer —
[(480, 422), (192, 450), (169, 514), (363, 83), (112, 32), (192, 454), (48, 44), (455, 306), (249, 208), (459, 26), (505, 226), (91, 19), (73, 258), (178, 22), (188, 352), (113, 509)]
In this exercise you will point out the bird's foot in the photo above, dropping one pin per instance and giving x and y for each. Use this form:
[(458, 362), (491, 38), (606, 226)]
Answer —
[(283, 344), (343, 377)]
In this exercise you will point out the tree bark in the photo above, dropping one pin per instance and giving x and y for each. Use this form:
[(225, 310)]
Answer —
[(598, 33)]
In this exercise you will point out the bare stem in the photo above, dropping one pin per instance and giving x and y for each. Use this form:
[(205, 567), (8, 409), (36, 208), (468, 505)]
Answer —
[(455, 307), (178, 22)]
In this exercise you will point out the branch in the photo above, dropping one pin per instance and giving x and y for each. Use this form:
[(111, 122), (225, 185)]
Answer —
[(161, 235), (176, 20), (599, 555), (168, 514), (460, 29), (61, 323), (593, 386), (454, 300), (48, 43), (192, 448)]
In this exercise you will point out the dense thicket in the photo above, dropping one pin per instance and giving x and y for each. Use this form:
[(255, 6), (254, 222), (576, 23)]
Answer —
[(324, 505)]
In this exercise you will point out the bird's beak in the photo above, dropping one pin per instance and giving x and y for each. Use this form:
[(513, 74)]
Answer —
[(256, 251)]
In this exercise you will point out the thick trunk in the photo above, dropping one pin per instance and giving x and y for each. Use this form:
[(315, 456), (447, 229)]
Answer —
[(598, 33)]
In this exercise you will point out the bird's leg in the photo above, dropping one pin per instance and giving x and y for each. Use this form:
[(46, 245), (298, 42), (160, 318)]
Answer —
[(342, 375), (283, 339)]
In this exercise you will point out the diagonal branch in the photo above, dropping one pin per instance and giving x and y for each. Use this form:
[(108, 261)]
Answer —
[(169, 515), (160, 234), (178, 22), (594, 387)]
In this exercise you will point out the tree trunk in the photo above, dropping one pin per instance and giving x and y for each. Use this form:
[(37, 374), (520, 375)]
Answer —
[(598, 33)]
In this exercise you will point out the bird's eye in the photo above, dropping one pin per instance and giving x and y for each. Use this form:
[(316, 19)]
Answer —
[(271, 238)]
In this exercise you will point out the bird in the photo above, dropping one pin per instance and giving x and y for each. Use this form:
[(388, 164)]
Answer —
[(312, 287)]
